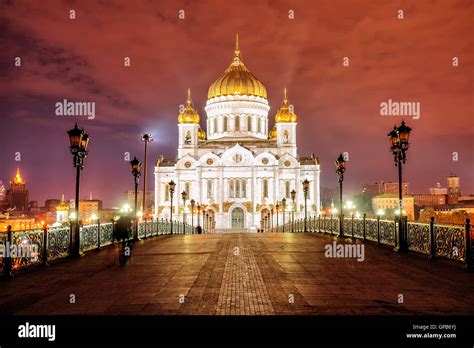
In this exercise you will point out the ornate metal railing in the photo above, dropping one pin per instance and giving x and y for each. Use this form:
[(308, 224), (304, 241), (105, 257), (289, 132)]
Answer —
[(419, 237), (44, 245), (452, 242)]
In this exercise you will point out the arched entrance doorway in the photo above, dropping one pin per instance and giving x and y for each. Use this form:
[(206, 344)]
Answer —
[(238, 218)]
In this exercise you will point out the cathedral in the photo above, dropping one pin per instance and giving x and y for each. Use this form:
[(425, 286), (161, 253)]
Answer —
[(239, 172)]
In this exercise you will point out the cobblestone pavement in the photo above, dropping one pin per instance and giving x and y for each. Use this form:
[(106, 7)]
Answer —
[(235, 274)]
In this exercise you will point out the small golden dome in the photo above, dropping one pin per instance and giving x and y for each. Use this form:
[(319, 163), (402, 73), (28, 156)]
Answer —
[(285, 113), (237, 80), (62, 206), (189, 114), (273, 133), (201, 134)]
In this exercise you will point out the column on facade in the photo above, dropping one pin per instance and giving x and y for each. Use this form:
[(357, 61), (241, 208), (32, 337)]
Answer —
[(252, 192), (248, 186), (176, 196), (258, 191), (157, 192), (270, 190), (317, 198), (198, 186), (299, 190), (221, 191)]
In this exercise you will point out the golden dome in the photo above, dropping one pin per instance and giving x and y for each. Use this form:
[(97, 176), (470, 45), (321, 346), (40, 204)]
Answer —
[(285, 113), (201, 134), (189, 114), (273, 133), (237, 80), (62, 206)]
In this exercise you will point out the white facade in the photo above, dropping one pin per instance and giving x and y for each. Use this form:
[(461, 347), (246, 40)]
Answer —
[(238, 172)]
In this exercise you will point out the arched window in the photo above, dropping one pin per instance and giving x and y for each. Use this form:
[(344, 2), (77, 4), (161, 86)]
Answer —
[(231, 188), (265, 188), (259, 126), (209, 188), (215, 125), (244, 188), (237, 123), (249, 123), (287, 189), (286, 136), (237, 189), (225, 124), (187, 138), (167, 192)]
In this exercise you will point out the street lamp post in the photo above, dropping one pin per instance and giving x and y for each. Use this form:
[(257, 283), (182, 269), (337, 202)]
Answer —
[(283, 206), (398, 146), (293, 196), (271, 218), (184, 196), (146, 138), (340, 169), (171, 185), (198, 211), (193, 203), (305, 191), (277, 207), (79, 140), (136, 171), (203, 216)]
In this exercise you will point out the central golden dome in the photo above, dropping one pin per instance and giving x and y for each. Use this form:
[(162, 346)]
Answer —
[(237, 80)]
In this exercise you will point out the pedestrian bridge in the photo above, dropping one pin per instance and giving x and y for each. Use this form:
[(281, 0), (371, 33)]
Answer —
[(237, 273)]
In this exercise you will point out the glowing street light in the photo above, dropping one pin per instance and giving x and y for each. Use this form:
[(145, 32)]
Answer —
[(340, 169), (79, 141)]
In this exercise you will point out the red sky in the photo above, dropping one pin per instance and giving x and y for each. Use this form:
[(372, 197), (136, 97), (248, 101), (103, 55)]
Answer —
[(338, 107)]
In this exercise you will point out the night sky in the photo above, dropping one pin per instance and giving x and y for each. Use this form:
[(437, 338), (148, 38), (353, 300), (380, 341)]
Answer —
[(338, 107)]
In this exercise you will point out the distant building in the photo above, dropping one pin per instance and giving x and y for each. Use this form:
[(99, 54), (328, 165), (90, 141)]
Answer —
[(89, 207), (440, 196), (3, 195), (389, 204), (17, 195), (453, 189), (107, 215), (51, 204), (438, 190), (18, 222), (382, 188), (423, 200), (129, 197)]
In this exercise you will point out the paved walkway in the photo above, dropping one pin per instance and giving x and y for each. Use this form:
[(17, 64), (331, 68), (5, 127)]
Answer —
[(226, 274)]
